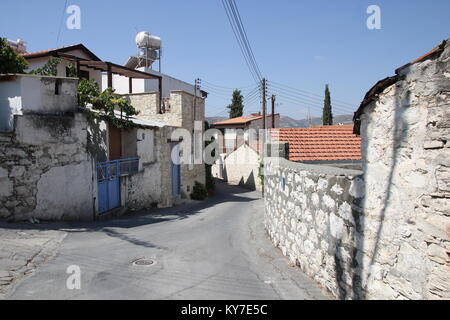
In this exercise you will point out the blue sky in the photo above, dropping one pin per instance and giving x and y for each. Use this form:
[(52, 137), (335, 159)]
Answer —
[(301, 44)]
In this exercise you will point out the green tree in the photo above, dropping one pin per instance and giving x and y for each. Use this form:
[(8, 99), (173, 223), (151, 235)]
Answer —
[(237, 105), (327, 109), (106, 102), (10, 61)]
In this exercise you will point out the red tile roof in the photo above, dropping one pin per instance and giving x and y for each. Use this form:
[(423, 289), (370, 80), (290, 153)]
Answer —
[(48, 52), (241, 120), (331, 143)]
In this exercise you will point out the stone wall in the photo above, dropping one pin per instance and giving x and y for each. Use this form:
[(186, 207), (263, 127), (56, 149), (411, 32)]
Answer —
[(312, 214), (384, 235), (151, 186), (406, 146), (46, 171)]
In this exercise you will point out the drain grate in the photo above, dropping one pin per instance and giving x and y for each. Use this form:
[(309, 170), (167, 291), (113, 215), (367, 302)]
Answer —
[(144, 262)]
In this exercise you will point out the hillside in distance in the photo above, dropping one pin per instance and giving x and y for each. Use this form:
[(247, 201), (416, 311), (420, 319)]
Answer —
[(288, 122)]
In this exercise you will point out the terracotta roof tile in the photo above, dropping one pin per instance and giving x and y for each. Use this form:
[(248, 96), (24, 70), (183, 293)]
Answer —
[(331, 143), (37, 54), (241, 120)]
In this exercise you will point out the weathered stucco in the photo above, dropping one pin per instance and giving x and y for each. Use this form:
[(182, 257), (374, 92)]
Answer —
[(47, 169), (49, 155)]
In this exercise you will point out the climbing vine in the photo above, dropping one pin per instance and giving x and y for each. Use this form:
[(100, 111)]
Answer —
[(49, 69), (106, 102)]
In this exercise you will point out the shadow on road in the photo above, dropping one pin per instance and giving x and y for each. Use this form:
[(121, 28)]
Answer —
[(224, 193)]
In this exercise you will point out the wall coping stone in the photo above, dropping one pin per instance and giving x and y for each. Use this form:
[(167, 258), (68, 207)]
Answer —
[(318, 169)]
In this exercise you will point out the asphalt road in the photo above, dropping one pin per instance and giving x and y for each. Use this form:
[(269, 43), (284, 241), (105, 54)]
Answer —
[(216, 249)]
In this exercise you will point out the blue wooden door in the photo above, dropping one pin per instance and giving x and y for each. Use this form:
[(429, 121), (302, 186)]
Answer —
[(108, 176), (176, 170)]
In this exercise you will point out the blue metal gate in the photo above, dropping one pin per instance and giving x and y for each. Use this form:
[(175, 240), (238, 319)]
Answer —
[(108, 176)]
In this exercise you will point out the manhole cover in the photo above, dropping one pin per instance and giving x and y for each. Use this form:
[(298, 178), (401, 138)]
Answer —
[(144, 262)]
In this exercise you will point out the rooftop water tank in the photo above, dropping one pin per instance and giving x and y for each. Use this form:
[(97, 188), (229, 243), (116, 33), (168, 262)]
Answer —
[(146, 40)]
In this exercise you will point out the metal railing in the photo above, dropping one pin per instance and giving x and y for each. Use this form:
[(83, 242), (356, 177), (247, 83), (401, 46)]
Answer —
[(115, 168), (129, 166)]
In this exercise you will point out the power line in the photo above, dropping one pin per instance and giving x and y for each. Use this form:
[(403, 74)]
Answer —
[(307, 103), (312, 102), (61, 22), (311, 93), (244, 36), (235, 20), (316, 100), (229, 88)]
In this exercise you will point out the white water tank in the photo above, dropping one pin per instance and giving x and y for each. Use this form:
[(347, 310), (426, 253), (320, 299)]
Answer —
[(146, 40)]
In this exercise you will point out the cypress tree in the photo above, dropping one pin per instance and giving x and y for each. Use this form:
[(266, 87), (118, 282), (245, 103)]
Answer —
[(237, 105), (327, 109)]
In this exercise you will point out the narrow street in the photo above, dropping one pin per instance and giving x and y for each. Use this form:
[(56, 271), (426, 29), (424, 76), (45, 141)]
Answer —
[(216, 249)]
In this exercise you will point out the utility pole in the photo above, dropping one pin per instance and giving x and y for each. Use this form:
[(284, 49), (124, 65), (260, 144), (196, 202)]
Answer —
[(273, 111), (264, 101), (309, 117), (264, 108), (196, 89), (196, 148)]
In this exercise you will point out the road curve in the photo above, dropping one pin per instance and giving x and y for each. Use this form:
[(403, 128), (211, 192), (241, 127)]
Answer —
[(215, 249)]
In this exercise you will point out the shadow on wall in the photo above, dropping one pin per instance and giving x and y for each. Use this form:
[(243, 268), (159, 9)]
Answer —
[(250, 183), (356, 268), (97, 141)]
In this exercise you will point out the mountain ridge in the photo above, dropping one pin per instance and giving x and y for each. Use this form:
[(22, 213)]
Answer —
[(288, 122)]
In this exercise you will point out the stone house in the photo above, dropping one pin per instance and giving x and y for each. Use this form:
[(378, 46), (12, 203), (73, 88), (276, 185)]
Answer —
[(236, 131), (70, 55), (241, 167), (57, 163), (239, 161), (182, 110), (380, 233), (176, 105)]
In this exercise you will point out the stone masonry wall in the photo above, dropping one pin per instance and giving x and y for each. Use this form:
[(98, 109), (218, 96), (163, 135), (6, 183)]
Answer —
[(406, 147), (181, 115), (394, 242), (143, 191), (45, 169), (312, 214)]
